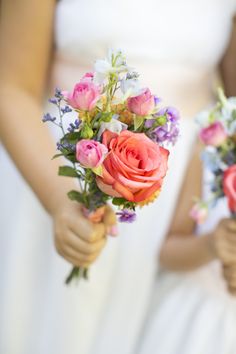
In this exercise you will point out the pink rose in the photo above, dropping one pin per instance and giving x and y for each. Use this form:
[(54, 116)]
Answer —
[(213, 135), (143, 104), (84, 96), (229, 186), (90, 153), (199, 213), (134, 168)]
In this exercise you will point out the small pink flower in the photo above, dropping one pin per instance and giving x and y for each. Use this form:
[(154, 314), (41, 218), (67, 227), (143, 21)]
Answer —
[(143, 104), (84, 96), (90, 153), (214, 134), (87, 77), (199, 213)]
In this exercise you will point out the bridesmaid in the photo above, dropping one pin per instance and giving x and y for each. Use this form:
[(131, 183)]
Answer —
[(194, 305)]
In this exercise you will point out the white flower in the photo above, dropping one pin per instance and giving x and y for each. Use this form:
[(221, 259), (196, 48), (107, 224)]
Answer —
[(114, 126), (114, 63), (130, 88)]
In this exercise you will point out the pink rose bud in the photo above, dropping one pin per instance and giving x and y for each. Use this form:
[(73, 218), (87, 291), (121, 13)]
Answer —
[(87, 77), (214, 134), (143, 104), (229, 186), (84, 96), (90, 153), (199, 213)]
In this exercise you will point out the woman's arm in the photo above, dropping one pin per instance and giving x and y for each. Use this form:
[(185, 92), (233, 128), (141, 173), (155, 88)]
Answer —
[(182, 250), (26, 31), (228, 64)]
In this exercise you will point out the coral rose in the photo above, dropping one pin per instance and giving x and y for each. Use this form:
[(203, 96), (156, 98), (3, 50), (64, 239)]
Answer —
[(229, 186), (134, 168)]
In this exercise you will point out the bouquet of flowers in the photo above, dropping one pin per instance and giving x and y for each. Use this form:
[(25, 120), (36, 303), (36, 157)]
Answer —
[(115, 145), (218, 134)]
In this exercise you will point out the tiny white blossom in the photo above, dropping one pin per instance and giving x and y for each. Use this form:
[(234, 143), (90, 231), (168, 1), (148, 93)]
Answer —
[(114, 126), (130, 88), (114, 63)]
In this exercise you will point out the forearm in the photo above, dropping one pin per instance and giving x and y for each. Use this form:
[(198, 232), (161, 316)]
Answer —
[(31, 146), (188, 253)]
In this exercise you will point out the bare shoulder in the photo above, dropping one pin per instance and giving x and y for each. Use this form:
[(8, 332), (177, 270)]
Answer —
[(227, 64), (26, 32)]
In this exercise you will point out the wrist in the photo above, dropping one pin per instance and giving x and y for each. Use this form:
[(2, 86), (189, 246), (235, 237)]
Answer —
[(210, 246)]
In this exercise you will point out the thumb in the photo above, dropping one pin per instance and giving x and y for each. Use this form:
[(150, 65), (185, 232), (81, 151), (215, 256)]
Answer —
[(110, 221)]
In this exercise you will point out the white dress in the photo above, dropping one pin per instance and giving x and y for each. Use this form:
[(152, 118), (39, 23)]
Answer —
[(175, 45)]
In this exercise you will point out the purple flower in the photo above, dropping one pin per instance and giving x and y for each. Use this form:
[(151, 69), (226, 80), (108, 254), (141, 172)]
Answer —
[(171, 113), (149, 123), (48, 118), (66, 146), (53, 100), (167, 133), (66, 109), (126, 215), (157, 100), (58, 94), (73, 126)]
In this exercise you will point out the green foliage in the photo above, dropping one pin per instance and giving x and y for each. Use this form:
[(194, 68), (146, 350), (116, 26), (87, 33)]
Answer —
[(138, 121), (67, 171), (86, 131), (71, 138), (76, 196), (118, 201)]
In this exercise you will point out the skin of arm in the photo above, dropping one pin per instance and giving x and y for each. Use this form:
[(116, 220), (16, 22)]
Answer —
[(25, 47), (26, 32), (182, 250), (228, 64)]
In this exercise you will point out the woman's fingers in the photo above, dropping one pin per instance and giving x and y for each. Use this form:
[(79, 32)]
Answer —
[(86, 230), (229, 273), (83, 247), (110, 221), (81, 253)]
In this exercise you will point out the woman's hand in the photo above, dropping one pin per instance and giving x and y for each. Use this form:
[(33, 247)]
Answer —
[(77, 239), (229, 272), (224, 245), (223, 241)]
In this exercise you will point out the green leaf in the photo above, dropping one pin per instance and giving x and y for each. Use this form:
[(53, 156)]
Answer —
[(118, 201), (67, 171), (71, 138), (70, 157), (98, 170), (86, 131), (234, 114), (138, 121), (57, 155), (106, 116), (76, 196)]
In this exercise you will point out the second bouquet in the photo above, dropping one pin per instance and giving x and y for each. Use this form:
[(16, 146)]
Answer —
[(117, 145)]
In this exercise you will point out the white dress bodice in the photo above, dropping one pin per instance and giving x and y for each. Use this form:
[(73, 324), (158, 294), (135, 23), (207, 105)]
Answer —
[(175, 45)]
